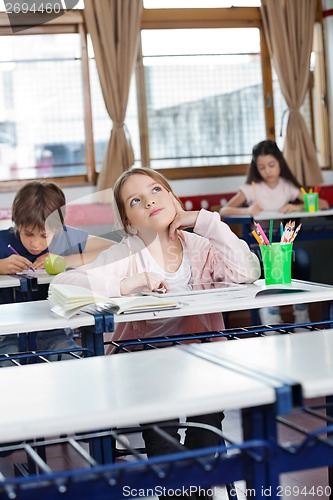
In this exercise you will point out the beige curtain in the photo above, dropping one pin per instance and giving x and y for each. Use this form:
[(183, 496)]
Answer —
[(114, 27), (289, 26)]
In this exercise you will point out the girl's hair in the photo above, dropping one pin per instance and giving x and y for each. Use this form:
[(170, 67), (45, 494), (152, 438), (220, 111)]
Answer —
[(123, 178), (265, 148), (35, 201)]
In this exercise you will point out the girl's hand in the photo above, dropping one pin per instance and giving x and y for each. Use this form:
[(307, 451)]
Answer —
[(183, 218), (143, 282), (14, 264), (323, 204), (290, 207), (254, 209)]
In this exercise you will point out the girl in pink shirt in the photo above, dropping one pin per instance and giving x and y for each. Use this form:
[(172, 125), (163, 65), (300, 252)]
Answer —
[(271, 186), (157, 253)]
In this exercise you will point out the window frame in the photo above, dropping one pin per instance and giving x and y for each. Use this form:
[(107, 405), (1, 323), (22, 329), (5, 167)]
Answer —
[(67, 23)]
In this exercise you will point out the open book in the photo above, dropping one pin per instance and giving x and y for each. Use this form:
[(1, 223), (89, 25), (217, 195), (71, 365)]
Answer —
[(67, 300)]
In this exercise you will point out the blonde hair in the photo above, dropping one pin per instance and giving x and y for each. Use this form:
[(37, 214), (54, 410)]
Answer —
[(123, 178)]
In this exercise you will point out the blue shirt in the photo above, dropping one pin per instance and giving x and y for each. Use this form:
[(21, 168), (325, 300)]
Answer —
[(65, 242)]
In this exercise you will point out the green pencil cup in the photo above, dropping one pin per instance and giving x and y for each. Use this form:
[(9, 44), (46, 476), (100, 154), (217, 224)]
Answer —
[(310, 202), (277, 259)]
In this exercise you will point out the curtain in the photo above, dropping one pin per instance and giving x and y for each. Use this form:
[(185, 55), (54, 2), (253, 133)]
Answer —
[(114, 27), (289, 26)]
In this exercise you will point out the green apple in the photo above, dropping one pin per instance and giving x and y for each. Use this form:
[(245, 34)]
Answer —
[(54, 264)]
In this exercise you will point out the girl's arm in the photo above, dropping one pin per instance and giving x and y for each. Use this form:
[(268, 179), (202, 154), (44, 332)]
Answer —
[(94, 246), (323, 204), (234, 206), (230, 258), (103, 275), (293, 207)]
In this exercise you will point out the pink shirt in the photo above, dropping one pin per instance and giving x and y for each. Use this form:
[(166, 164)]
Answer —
[(271, 200)]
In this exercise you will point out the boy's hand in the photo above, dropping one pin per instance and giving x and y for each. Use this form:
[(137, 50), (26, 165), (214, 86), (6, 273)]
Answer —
[(183, 218), (39, 262), (14, 264)]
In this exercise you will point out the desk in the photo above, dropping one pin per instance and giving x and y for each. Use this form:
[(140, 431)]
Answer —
[(304, 361), (304, 358), (25, 283), (112, 391), (36, 316), (119, 390), (240, 299), (8, 281), (315, 225)]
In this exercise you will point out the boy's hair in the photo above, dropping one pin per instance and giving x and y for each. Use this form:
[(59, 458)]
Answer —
[(265, 148), (35, 202), (149, 172)]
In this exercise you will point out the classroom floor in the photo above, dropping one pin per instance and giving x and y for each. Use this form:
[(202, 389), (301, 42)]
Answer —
[(292, 484)]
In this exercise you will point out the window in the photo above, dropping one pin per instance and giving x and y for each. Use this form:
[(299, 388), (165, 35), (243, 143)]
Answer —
[(201, 95), (204, 95), (41, 106)]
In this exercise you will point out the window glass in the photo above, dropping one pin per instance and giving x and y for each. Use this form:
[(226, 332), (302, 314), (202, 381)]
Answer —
[(41, 107), (204, 95)]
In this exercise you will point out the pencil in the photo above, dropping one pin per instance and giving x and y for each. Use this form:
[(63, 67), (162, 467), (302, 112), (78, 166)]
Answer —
[(303, 190), (295, 232), (16, 252), (261, 232), (80, 252), (257, 237), (271, 223)]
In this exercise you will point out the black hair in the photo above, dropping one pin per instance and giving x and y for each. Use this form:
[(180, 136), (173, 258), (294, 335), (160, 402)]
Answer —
[(265, 148)]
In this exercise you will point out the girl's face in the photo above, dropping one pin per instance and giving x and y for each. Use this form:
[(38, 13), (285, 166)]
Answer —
[(269, 169), (147, 203), (34, 239)]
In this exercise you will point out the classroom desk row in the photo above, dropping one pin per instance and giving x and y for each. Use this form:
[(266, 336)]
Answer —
[(106, 392), (36, 316), (267, 378)]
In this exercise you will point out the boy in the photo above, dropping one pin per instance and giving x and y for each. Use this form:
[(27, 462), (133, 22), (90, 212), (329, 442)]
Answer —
[(38, 217)]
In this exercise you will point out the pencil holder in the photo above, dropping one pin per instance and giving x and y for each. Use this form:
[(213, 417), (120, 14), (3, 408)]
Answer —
[(277, 259), (310, 202)]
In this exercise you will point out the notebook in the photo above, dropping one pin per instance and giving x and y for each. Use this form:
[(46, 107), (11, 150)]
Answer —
[(67, 300)]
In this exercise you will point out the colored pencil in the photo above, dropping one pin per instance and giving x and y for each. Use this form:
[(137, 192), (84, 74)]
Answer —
[(271, 223)]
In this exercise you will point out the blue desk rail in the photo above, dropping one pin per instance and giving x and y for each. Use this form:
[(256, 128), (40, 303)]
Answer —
[(258, 461)]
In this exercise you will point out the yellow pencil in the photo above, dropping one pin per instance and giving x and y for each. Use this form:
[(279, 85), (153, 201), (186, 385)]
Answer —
[(303, 190), (257, 237)]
